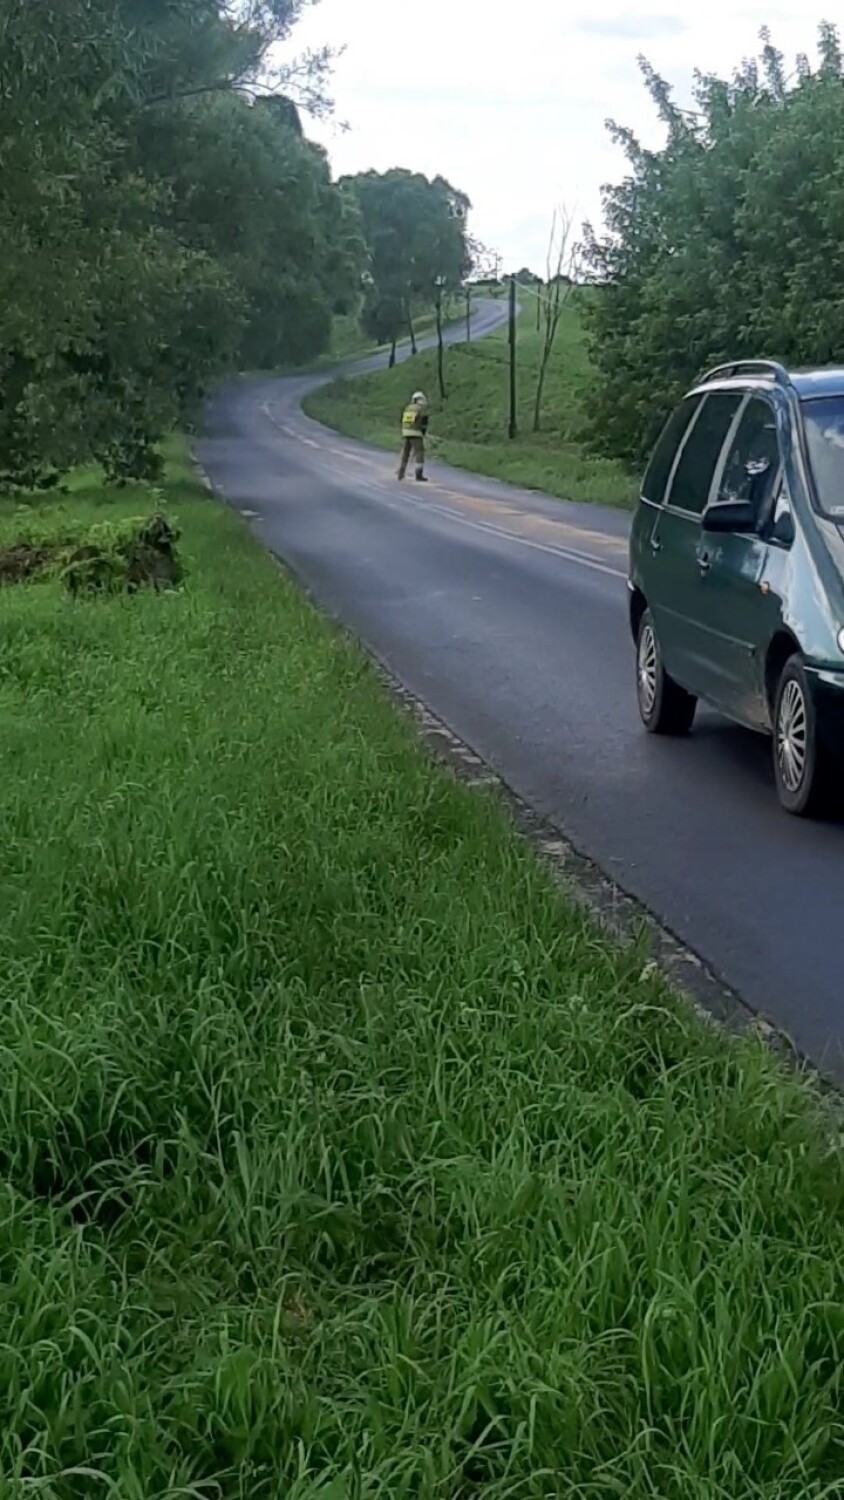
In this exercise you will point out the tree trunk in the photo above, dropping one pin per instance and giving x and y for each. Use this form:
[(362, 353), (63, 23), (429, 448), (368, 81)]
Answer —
[(411, 330), (553, 313), (540, 386), (392, 355)]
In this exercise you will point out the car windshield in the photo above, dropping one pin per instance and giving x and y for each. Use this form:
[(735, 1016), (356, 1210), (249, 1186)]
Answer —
[(823, 420)]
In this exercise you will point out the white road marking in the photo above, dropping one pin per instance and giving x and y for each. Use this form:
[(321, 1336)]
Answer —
[(569, 554)]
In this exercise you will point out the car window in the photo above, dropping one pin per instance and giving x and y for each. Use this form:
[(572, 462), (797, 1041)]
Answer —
[(823, 421), (753, 462), (662, 459), (694, 473)]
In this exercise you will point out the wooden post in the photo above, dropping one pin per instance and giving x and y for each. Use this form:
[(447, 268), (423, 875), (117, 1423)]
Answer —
[(440, 350), (512, 426)]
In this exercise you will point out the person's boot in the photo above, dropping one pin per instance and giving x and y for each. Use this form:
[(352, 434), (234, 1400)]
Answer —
[(421, 478)]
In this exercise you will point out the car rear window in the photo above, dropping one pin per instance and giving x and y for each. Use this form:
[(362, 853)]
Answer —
[(823, 422), (695, 471), (659, 468)]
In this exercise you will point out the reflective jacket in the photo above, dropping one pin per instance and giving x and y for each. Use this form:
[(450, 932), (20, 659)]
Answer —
[(414, 422)]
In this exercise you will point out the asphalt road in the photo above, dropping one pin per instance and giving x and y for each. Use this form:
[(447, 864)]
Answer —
[(506, 613)]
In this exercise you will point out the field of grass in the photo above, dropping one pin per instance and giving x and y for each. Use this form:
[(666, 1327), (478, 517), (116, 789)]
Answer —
[(469, 429), (342, 1158), (347, 341)]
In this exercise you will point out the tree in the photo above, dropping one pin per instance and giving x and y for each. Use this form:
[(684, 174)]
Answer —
[(381, 318), (418, 248), (443, 255), (726, 243), (245, 187), (561, 269), (160, 220)]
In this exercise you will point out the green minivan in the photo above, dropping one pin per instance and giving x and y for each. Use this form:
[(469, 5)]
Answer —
[(737, 569)]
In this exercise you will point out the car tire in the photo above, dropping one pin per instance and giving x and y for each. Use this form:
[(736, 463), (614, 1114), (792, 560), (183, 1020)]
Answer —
[(664, 706), (804, 767)]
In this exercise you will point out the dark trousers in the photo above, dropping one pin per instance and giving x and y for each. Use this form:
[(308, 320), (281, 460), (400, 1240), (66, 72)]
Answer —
[(412, 447)]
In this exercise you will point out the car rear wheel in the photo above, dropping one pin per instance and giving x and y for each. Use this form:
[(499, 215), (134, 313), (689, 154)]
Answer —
[(803, 764), (664, 706)]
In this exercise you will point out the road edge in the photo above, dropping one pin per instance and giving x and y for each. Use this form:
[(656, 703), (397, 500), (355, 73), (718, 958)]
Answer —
[(621, 917)]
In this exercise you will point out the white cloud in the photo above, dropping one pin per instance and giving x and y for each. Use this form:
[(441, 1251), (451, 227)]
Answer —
[(632, 27), (512, 111)]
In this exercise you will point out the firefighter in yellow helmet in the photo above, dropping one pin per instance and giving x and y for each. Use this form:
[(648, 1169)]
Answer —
[(414, 427)]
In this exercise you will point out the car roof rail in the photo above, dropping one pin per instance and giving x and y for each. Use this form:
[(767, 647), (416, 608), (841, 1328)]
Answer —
[(769, 367)]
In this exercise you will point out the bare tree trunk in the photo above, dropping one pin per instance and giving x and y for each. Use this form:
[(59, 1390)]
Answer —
[(540, 387), (392, 354), (562, 268), (551, 310)]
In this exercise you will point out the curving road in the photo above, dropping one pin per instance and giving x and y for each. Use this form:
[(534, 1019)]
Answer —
[(506, 613)]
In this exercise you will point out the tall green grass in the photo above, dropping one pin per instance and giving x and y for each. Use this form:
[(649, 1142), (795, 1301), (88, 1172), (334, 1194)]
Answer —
[(470, 428), (341, 1156)]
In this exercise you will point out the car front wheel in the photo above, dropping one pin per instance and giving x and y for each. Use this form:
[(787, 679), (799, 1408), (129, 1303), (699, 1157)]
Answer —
[(664, 706), (804, 765)]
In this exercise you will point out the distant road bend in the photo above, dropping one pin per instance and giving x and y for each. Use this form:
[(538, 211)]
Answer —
[(506, 613)]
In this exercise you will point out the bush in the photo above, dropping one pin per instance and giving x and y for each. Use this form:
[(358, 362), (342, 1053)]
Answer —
[(111, 557), (724, 245)]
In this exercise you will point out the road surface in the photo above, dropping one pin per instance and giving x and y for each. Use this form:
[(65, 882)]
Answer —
[(506, 613)]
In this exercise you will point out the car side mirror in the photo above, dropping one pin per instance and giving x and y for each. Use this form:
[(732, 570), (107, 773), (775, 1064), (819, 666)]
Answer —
[(782, 528), (729, 515)]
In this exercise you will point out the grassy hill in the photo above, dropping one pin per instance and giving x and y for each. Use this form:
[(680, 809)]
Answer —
[(347, 341), (469, 428)]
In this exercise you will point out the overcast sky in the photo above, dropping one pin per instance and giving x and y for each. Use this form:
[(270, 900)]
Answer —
[(513, 111)]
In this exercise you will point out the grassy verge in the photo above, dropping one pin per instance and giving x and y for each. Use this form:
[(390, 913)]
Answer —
[(469, 429), (341, 1157), (348, 343)]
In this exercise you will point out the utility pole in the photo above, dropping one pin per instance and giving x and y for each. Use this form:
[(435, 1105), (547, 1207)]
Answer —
[(440, 352), (468, 312), (512, 428)]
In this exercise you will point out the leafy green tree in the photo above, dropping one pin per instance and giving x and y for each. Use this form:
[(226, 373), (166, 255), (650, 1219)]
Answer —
[(245, 188), (416, 235), (726, 243), (382, 317), (160, 220)]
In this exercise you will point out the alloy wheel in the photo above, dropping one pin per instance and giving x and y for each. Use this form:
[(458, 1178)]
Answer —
[(648, 670), (792, 736)]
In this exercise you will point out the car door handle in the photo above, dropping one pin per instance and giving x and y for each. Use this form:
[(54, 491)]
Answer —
[(704, 562)]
